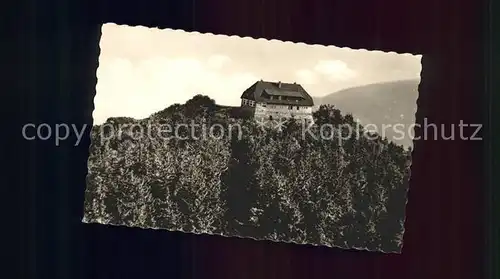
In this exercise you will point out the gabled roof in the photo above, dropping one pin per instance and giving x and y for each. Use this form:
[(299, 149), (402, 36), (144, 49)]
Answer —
[(258, 90)]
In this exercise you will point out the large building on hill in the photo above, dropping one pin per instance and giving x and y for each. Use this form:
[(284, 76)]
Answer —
[(277, 100)]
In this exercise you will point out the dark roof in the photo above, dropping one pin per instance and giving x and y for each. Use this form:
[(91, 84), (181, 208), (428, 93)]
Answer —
[(258, 91)]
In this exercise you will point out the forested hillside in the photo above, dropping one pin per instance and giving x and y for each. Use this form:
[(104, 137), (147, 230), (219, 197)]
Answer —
[(387, 103), (263, 183)]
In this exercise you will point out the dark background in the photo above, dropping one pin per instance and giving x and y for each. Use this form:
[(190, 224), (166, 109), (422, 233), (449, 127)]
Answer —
[(57, 46)]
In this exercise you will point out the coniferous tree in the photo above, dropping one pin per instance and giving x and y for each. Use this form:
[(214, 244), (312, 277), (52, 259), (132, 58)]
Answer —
[(392, 220), (240, 187)]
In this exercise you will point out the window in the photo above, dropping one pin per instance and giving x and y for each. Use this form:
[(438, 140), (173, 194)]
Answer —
[(290, 107), (297, 107), (264, 105)]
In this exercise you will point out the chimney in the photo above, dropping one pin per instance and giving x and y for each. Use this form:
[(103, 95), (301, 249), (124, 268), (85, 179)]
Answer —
[(279, 84)]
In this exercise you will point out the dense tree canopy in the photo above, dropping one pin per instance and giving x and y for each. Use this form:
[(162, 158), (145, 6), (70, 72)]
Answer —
[(263, 183)]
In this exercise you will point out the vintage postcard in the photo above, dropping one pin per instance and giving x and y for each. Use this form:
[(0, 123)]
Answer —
[(252, 138)]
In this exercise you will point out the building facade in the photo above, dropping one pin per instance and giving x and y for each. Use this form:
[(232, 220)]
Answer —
[(278, 100)]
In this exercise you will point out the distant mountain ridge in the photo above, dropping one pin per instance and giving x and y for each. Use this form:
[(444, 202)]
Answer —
[(386, 103)]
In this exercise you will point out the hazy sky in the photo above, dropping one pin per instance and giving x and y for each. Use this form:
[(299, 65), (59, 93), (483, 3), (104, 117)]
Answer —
[(144, 70)]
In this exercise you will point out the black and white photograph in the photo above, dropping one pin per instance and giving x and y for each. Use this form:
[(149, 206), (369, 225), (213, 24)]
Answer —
[(252, 138)]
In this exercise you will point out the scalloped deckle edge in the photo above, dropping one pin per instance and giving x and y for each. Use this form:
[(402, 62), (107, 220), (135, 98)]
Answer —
[(156, 163)]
